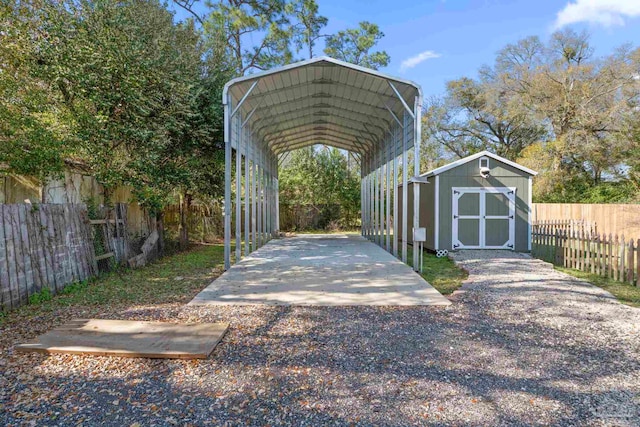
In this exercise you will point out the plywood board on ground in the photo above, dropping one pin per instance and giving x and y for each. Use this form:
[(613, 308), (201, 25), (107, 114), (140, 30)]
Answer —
[(128, 338)]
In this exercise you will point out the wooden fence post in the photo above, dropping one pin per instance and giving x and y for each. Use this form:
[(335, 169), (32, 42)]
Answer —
[(621, 260), (630, 268), (610, 257), (638, 262)]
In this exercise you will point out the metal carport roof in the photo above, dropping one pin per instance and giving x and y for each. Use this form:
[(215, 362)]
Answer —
[(318, 101)]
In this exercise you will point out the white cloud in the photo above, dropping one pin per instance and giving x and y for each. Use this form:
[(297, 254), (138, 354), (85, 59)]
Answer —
[(603, 12), (417, 59)]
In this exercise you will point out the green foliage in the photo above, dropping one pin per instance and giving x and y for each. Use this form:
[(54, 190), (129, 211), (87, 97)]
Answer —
[(555, 108), (442, 273), (74, 288), (230, 25), (354, 45), (116, 85), (32, 130), (305, 30), (40, 297), (320, 179)]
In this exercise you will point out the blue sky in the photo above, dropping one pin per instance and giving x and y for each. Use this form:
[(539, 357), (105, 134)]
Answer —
[(456, 37)]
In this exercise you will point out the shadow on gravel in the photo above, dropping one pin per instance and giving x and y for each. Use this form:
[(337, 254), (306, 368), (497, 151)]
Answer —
[(383, 366)]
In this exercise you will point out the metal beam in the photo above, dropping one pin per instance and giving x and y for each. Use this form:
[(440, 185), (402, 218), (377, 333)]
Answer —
[(394, 116), (404, 103), (238, 217), (247, 148), (254, 184), (264, 94), (332, 120), (388, 198), (405, 193), (244, 98), (298, 105), (227, 184), (335, 111), (317, 129), (396, 231), (250, 114), (313, 141)]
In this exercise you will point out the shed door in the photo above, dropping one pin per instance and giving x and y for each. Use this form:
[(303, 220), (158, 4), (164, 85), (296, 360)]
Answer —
[(483, 218)]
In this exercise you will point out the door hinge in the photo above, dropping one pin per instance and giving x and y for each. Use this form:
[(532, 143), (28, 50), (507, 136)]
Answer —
[(455, 246), (455, 216), (510, 246), (510, 192), (510, 216), (456, 192)]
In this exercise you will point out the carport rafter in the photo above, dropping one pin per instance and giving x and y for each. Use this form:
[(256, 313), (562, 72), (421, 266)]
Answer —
[(358, 110)]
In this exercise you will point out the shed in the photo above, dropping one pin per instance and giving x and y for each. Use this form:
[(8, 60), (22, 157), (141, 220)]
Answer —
[(482, 201)]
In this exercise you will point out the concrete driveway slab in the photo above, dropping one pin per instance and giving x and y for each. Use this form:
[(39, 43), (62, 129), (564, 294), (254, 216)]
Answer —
[(320, 269)]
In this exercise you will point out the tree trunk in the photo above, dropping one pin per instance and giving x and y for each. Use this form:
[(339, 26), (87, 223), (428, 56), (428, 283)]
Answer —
[(182, 228), (160, 228)]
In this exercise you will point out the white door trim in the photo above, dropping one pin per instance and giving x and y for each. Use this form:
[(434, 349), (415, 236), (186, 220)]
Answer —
[(457, 192)]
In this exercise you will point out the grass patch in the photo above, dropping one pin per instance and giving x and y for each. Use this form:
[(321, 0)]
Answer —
[(40, 297), (172, 279), (624, 292), (442, 273)]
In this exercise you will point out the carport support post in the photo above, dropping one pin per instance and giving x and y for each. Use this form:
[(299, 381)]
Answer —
[(361, 201), (367, 182), (277, 181), (365, 206), (259, 196), (253, 196), (388, 148), (405, 190), (265, 191), (238, 188), (246, 192), (372, 212), (272, 182), (395, 191), (227, 183), (267, 196), (376, 195), (417, 126), (381, 197)]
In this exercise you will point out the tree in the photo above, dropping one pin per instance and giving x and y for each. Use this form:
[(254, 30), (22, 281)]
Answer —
[(554, 107), (480, 115), (306, 30), (245, 35), (320, 180), (354, 45), (34, 134)]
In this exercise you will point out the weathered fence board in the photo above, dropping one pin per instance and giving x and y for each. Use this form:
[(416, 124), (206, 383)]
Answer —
[(43, 246), (611, 218), (579, 247)]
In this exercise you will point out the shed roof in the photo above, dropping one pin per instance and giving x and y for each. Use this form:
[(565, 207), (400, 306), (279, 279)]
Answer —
[(468, 159), (321, 100)]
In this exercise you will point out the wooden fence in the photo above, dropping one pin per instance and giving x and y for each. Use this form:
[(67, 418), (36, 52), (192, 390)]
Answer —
[(110, 236), (204, 222), (611, 218), (43, 246), (605, 255), (48, 246)]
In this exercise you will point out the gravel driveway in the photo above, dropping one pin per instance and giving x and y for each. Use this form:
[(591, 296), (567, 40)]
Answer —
[(521, 345)]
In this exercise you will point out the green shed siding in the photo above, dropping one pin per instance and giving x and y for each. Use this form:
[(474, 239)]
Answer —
[(467, 175)]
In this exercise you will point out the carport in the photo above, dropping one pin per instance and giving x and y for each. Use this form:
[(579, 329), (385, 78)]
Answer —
[(375, 117)]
